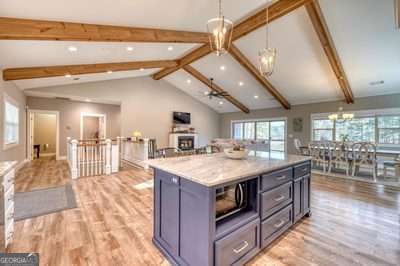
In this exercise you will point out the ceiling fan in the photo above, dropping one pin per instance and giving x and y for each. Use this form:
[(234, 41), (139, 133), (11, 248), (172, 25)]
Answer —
[(212, 93)]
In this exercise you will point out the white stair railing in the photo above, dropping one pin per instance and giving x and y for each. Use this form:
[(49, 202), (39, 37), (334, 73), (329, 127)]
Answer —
[(92, 157)]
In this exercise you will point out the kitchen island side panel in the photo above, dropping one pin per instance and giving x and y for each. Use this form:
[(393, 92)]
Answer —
[(185, 209)]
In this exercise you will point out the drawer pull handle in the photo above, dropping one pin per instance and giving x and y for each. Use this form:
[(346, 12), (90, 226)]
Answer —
[(245, 245), (305, 169), (279, 198), (281, 222), (175, 180), (281, 177)]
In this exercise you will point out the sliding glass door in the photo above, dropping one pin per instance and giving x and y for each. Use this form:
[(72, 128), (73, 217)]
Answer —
[(269, 134)]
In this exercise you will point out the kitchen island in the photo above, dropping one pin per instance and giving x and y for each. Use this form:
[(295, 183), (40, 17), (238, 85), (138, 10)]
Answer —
[(271, 192)]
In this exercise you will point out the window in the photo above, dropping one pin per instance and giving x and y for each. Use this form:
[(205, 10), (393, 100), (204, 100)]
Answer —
[(11, 122), (322, 130), (273, 132), (379, 126), (389, 129), (357, 130)]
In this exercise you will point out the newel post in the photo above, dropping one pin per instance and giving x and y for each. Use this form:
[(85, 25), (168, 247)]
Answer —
[(108, 156), (74, 158)]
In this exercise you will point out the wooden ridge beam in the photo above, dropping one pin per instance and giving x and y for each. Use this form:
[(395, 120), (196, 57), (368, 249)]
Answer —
[(315, 13), (56, 71), (27, 29), (275, 11), (242, 59), (215, 88)]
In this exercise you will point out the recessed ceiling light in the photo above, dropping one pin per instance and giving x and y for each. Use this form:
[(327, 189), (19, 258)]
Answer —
[(109, 72), (221, 102), (188, 81), (255, 96), (206, 93), (377, 82), (222, 68), (142, 69), (88, 100), (72, 48), (67, 75), (170, 48), (241, 83), (129, 48)]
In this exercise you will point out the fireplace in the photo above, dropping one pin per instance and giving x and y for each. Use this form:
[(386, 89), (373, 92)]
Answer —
[(186, 143)]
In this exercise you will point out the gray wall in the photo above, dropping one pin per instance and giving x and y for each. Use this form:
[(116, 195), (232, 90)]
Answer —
[(305, 111), (147, 106), (17, 153), (70, 115)]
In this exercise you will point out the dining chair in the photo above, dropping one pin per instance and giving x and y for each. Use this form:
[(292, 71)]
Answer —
[(297, 145), (152, 148), (167, 152), (318, 152), (364, 156), (339, 156)]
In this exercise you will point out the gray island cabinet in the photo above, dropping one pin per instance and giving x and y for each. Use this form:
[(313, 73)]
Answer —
[(186, 227)]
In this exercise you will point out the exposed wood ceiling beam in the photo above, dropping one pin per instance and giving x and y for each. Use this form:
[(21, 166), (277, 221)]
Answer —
[(56, 71), (25, 29), (215, 88), (275, 11), (242, 59), (315, 13)]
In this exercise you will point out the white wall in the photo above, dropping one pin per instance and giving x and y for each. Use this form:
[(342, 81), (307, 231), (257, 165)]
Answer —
[(147, 106), (17, 153)]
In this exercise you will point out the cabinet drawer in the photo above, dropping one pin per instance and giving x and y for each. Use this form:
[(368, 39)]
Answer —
[(275, 199), (276, 178), (275, 225), (8, 180), (234, 247), (302, 169)]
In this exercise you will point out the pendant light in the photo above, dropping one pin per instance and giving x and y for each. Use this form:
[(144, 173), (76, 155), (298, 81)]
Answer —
[(341, 116), (267, 56), (220, 33)]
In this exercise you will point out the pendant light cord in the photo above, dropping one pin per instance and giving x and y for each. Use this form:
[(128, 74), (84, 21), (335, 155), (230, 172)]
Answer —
[(267, 26), (220, 8)]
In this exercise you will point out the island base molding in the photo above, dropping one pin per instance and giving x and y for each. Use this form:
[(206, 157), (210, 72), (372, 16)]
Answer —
[(187, 231)]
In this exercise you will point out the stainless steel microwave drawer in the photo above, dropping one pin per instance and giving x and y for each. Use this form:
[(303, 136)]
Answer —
[(302, 169), (277, 178), (275, 225), (275, 199), (233, 248)]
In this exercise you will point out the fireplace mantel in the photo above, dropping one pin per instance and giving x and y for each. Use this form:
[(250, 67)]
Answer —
[(174, 139)]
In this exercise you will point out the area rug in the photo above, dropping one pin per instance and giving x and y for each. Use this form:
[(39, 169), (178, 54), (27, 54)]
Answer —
[(44, 201)]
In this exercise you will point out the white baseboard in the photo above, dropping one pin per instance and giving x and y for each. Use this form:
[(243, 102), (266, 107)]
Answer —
[(21, 164)]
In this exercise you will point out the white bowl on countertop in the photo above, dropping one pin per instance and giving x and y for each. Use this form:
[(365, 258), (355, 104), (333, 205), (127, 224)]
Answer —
[(242, 154)]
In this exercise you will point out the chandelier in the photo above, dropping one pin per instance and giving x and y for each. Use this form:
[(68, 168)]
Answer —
[(267, 56), (220, 33), (341, 116)]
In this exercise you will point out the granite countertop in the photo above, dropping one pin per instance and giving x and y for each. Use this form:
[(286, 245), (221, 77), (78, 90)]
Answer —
[(216, 169), (6, 166)]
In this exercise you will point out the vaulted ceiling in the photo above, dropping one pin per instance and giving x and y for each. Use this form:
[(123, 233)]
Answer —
[(363, 31)]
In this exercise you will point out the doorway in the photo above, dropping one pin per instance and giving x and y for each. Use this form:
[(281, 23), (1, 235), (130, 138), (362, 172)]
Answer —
[(43, 134), (93, 126)]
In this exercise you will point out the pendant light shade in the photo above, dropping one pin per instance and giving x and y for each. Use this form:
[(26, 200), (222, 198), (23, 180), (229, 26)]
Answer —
[(220, 33), (266, 62), (267, 56)]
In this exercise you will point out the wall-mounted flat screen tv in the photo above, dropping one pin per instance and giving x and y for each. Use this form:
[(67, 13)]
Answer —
[(181, 118)]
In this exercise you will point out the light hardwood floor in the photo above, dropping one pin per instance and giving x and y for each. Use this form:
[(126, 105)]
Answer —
[(352, 223)]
